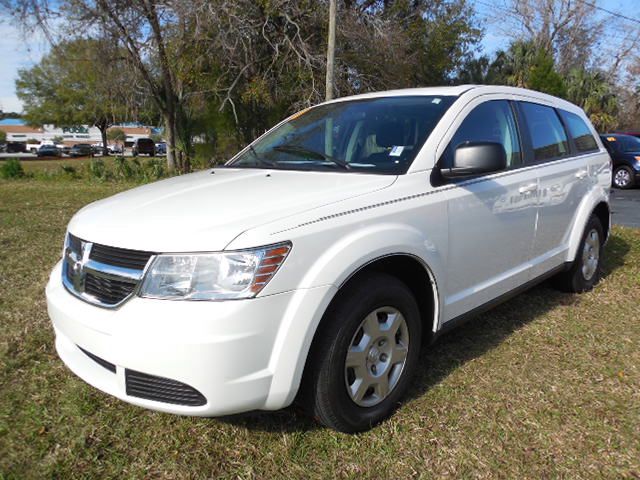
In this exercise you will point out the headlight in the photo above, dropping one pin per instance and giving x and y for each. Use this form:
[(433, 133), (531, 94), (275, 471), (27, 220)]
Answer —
[(213, 276)]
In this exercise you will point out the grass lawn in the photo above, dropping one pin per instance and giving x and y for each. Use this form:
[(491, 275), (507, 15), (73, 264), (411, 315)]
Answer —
[(544, 386), (52, 165)]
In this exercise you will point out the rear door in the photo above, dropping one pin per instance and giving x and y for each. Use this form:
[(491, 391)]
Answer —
[(563, 181), (491, 217)]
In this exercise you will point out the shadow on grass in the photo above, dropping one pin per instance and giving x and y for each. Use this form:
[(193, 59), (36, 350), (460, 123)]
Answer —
[(455, 348)]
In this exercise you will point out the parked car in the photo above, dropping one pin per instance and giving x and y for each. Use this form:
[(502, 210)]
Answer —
[(143, 146), (3, 147), (49, 151), (97, 148), (81, 150), (161, 148), (16, 147), (632, 133), (66, 150), (115, 149), (340, 239), (625, 154)]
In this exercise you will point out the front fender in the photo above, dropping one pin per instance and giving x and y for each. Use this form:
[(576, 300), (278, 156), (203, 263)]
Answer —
[(320, 283)]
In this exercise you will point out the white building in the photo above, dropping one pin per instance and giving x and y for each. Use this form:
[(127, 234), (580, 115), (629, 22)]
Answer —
[(21, 133)]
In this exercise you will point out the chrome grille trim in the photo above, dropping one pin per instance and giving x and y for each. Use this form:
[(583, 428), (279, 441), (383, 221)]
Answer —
[(109, 286)]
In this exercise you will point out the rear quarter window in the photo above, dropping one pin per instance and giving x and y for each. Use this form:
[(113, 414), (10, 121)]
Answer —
[(579, 131)]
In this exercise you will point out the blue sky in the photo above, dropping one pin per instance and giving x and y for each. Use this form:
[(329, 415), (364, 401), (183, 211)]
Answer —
[(16, 52)]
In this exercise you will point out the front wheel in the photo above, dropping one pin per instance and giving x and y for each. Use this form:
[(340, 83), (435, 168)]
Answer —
[(364, 354), (585, 270)]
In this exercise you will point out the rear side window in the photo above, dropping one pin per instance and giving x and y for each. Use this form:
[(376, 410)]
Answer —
[(548, 138), (491, 121), (579, 132)]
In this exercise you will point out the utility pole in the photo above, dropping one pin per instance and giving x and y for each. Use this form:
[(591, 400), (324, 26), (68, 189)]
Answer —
[(331, 49)]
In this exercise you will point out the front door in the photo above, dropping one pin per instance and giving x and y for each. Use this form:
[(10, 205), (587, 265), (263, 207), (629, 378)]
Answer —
[(491, 218)]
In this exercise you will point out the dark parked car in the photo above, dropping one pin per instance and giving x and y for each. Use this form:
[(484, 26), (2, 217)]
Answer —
[(97, 149), (81, 150), (49, 151), (161, 148), (625, 153), (16, 147), (143, 146), (633, 134)]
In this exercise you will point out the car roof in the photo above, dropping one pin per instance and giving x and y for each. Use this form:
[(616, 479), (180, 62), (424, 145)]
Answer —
[(459, 90)]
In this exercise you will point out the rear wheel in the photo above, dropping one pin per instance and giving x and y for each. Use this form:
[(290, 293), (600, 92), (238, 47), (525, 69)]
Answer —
[(586, 268), (623, 177), (364, 355)]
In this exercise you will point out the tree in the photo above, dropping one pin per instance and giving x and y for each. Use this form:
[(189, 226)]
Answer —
[(543, 76), (591, 90), (568, 30), (3, 136), (331, 49), (76, 83), (58, 139), (116, 135)]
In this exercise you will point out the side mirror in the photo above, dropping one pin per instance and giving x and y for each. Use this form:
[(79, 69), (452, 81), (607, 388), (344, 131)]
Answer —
[(475, 159)]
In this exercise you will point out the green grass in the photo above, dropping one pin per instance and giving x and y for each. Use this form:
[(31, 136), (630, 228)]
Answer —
[(544, 386)]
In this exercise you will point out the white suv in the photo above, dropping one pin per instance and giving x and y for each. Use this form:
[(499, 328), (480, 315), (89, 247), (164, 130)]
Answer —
[(318, 261)]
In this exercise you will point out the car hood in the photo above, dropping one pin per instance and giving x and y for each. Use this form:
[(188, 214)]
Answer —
[(205, 211)]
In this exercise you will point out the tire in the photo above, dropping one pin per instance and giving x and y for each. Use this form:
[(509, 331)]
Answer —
[(622, 178), (584, 273), (358, 318)]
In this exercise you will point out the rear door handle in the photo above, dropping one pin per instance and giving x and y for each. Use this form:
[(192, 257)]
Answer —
[(532, 187), (580, 174)]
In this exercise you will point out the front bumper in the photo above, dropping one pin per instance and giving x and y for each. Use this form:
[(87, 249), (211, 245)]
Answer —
[(223, 350)]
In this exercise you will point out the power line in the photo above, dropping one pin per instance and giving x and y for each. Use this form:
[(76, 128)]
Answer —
[(584, 2), (610, 12)]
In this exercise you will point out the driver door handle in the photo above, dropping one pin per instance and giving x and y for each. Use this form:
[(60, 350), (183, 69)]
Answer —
[(531, 187)]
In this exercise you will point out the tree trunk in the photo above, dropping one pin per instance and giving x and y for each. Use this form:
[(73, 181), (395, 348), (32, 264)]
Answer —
[(105, 150), (170, 134), (331, 49)]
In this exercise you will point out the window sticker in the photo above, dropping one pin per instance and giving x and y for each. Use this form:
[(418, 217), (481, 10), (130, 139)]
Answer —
[(436, 100), (611, 139), (396, 151), (298, 114)]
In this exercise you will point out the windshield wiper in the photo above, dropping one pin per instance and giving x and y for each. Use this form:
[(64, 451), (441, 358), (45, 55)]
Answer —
[(259, 159), (311, 153)]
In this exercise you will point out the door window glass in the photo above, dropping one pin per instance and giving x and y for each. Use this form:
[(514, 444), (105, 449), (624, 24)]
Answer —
[(490, 122), (547, 134)]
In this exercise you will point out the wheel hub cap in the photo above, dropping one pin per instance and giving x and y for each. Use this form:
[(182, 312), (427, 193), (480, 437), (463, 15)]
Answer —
[(376, 356), (590, 254), (622, 178)]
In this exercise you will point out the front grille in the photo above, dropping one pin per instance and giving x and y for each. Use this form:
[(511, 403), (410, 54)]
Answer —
[(103, 363), (96, 273), (120, 257), (108, 290), (150, 387)]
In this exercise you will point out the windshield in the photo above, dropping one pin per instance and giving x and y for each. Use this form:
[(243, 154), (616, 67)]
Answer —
[(629, 144), (379, 135)]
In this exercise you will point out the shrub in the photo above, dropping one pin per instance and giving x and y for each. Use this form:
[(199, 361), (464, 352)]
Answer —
[(69, 171), (12, 168), (97, 170)]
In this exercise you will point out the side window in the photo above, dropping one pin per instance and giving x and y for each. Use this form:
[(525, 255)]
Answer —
[(491, 121), (548, 137), (579, 132)]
